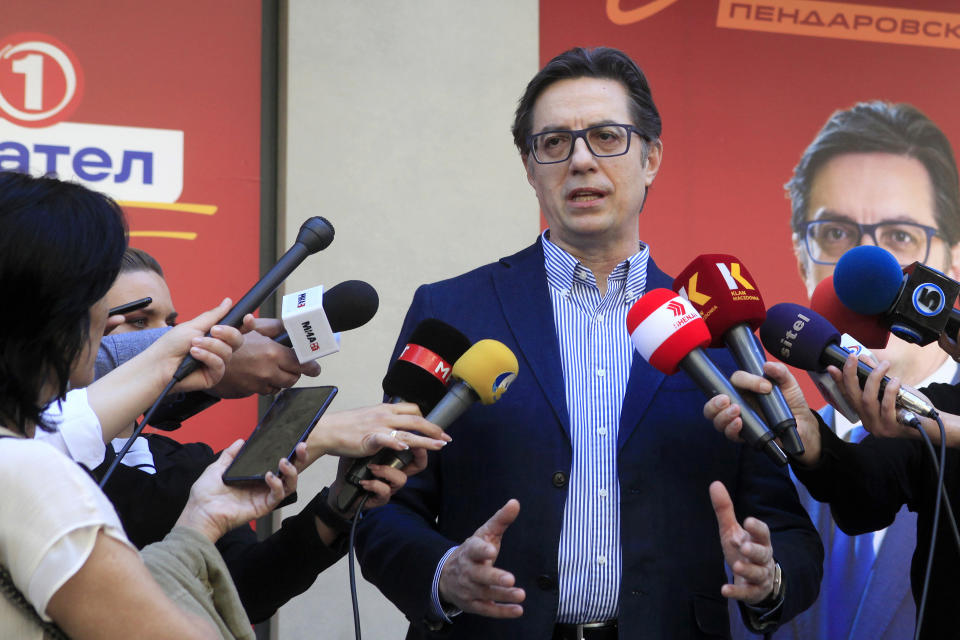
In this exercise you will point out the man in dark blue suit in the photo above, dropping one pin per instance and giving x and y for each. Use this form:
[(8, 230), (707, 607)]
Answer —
[(600, 471)]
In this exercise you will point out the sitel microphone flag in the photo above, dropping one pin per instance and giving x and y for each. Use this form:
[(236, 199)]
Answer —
[(802, 338), (669, 333)]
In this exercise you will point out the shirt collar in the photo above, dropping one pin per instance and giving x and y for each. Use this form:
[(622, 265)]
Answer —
[(563, 269)]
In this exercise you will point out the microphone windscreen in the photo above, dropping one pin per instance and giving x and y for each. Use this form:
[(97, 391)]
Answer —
[(868, 330), (664, 328), (797, 335), (350, 304), (868, 279), (488, 367), (421, 372), (723, 292)]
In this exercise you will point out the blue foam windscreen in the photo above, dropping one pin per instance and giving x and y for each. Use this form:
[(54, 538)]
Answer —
[(797, 335), (867, 279)]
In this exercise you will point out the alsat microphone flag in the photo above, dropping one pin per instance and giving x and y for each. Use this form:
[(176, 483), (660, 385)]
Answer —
[(664, 328)]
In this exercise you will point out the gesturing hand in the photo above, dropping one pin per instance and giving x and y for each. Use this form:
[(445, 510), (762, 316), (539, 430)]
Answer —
[(471, 582), (747, 550)]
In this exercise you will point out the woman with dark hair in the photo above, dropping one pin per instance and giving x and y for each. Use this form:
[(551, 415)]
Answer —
[(64, 556)]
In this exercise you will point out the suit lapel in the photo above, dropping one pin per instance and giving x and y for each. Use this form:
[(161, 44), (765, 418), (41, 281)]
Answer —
[(644, 380), (521, 287)]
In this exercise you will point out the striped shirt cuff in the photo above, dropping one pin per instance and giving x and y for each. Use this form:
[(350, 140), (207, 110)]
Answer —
[(438, 610)]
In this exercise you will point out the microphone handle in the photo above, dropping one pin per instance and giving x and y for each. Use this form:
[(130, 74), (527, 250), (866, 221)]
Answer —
[(742, 343), (712, 382), (457, 400), (953, 324), (836, 355), (253, 298)]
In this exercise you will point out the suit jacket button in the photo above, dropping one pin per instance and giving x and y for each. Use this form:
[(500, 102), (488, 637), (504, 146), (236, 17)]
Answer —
[(559, 479), (546, 582)]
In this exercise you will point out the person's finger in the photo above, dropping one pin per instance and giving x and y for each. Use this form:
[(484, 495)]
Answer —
[(715, 405), (419, 462), (310, 369), (205, 321), (758, 530), (496, 526), (227, 455), (750, 382), (495, 610), (888, 405), (269, 327), (248, 323), (395, 478), (113, 322), (749, 571), (723, 507), (288, 475), (475, 549), (230, 335)]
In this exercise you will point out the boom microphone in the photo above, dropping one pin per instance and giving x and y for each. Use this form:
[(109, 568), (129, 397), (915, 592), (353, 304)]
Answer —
[(315, 235), (483, 373), (722, 290), (916, 303), (802, 338), (669, 333)]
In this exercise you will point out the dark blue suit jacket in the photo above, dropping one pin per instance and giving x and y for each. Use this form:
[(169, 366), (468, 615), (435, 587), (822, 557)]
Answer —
[(667, 456)]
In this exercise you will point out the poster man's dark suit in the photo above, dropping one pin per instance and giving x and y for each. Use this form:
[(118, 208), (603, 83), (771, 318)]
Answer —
[(520, 448)]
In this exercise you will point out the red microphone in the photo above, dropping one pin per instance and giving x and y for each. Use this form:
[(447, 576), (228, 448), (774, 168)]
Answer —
[(726, 296), (867, 330), (669, 333)]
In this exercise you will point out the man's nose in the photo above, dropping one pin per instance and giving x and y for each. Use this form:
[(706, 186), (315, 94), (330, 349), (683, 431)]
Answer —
[(582, 159)]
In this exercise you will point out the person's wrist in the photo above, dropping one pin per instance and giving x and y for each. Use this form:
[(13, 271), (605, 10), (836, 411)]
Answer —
[(323, 507), (776, 593)]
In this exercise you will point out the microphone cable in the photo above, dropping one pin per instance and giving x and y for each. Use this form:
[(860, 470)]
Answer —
[(353, 571), (942, 498), (138, 428)]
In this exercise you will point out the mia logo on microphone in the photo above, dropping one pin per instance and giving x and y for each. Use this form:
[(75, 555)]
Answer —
[(928, 299), (301, 299), (311, 336)]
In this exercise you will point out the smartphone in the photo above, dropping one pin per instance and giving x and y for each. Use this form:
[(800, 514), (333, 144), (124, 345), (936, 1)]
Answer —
[(130, 306), (287, 423)]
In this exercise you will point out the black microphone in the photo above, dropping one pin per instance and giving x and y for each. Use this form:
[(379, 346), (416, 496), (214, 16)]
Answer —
[(802, 338), (420, 375), (315, 235), (348, 305), (483, 373)]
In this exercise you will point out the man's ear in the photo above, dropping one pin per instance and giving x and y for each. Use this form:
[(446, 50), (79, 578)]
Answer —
[(654, 159), (528, 163)]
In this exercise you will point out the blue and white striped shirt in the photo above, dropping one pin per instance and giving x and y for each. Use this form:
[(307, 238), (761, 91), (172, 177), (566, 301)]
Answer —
[(596, 354)]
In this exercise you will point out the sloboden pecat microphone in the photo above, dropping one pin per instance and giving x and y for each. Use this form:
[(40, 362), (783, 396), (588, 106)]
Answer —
[(347, 305), (669, 333), (916, 303), (802, 338), (727, 298), (483, 373), (868, 330), (315, 235)]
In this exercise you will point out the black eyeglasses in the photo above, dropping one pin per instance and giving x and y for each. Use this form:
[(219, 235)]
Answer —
[(603, 141), (827, 240)]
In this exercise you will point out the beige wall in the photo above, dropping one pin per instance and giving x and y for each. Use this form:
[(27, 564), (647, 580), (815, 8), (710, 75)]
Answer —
[(397, 129)]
